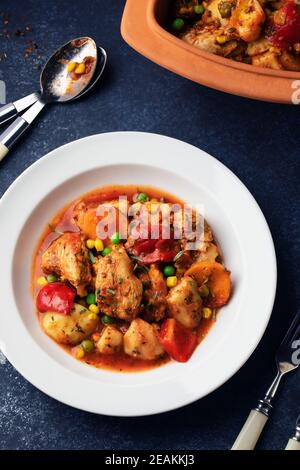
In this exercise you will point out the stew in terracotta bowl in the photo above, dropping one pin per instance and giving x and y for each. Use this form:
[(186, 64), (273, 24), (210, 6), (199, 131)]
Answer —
[(264, 33)]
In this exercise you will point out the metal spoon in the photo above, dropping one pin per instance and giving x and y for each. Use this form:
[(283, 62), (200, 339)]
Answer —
[(57, 85)]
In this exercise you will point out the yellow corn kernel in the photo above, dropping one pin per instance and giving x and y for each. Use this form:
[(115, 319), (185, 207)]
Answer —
[(206, 313), (171, 281), (92, 316), (79, 353), (94, 309), (90, 244), (71, 66), (99, 245), (80, 69), (42, 281), (221, 39)]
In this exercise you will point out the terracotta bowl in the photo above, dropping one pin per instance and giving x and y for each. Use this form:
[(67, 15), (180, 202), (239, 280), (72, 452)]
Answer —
[(143, 28)]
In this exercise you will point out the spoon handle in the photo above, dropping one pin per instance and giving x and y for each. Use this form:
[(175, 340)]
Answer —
[(10, 110), (12, 134)]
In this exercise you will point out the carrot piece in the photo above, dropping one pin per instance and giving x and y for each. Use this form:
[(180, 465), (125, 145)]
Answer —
[(217, 279)]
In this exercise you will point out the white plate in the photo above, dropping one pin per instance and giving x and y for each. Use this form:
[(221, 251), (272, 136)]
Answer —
[(191, 174)]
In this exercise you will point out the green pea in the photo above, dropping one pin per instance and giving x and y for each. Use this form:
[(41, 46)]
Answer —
[(106, 251), (142, 197), (199, 9), (51, 278), (115, 238), (169, 270), (91, 299), (87, 345), (204, 291), (178, 24), (106, 319)]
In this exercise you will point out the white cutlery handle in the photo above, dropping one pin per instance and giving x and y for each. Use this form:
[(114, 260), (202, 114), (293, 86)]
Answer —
[(3, 151), (12, 134), (251, 431), (293, 445)]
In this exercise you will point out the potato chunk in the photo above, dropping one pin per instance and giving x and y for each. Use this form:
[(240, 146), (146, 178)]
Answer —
[(185, 303), (69, 329), (141, 341), (268, 60), (111, 341)]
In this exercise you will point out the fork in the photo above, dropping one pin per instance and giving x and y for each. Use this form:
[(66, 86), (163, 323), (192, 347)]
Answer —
[(294, 442), (287, 359)]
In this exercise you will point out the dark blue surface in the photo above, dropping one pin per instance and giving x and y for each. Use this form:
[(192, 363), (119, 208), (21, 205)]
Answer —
[(258, 141)]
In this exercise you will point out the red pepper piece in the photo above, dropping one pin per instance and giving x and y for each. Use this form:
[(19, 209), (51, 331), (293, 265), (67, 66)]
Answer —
[(285, 32), (179, 342), (56, 297)]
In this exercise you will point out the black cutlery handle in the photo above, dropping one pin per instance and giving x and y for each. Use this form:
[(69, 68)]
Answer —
[(7, 112)]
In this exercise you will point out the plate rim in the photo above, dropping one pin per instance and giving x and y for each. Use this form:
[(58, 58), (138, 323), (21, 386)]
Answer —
[(49, 155)]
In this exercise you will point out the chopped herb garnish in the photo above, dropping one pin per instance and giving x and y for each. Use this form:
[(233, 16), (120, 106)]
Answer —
[(78, 328), (136, 258), (92, 257), (155, 295), (120, 280), (111, 291), (179, 255), (82, 310), (55, 229), (214, 314)]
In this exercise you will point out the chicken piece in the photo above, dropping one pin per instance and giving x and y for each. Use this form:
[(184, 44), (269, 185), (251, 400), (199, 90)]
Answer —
[(290, 61), (185, 303), (155, 295), (111, 340), (203, 39), (221, 10), (259, 46), (141, 341), (248, 19), (119, 291), (70, 329), (209, 253), (268, 59), (68, 257)]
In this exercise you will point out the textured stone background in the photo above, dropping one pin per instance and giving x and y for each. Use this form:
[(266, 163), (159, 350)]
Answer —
[(258, 141)]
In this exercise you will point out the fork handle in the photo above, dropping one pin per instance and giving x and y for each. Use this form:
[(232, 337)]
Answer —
[(293, 445), (251, 431), (7, 112)]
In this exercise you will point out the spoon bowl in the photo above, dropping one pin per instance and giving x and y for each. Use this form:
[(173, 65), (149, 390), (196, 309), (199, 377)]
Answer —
[(60, 81), (57, 82)]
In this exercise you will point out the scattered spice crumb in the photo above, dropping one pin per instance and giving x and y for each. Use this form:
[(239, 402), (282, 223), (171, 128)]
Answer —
[(31, 47)]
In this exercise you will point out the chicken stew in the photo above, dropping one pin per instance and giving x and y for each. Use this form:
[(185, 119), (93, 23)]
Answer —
[(121, 281)]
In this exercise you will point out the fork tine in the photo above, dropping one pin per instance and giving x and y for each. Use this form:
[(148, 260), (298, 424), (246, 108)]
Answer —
[(293, 329)]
